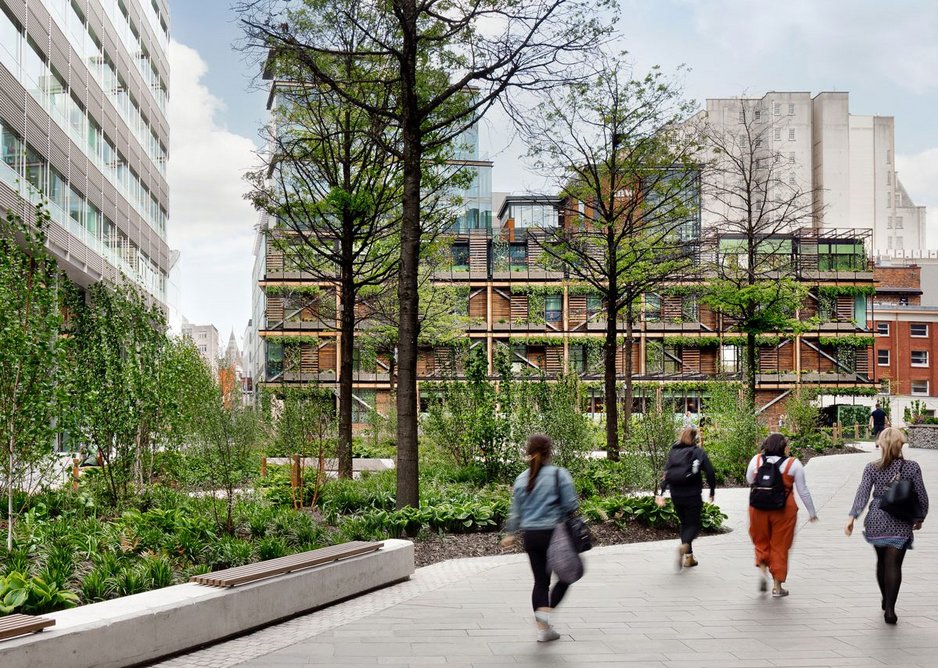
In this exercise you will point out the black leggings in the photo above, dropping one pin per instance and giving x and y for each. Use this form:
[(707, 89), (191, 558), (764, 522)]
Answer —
[(536, 542), (688, 512), (889, 574)]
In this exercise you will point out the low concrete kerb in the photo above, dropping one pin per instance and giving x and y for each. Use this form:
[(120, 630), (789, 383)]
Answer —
[(143, 627)]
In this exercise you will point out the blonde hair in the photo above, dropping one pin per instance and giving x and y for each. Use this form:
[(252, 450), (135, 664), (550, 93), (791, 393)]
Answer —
[(890, 442)]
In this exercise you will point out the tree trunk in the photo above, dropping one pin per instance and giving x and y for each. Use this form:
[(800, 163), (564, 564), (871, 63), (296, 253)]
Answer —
[(751, 370), (610, 400), (10, 500), (627, 360), (347, 341), (408, 492)]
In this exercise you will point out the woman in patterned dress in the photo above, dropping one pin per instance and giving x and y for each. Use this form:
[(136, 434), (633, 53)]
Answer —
[(888, 535)]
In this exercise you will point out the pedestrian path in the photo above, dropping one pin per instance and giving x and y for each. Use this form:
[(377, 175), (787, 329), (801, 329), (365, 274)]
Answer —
[(633, 609)]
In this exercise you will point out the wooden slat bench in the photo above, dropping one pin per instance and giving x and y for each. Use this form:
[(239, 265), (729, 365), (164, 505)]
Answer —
[(12, 626), (231, 577)]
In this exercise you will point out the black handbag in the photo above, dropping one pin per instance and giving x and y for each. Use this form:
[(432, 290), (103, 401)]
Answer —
[(900, 500), (576, 527)]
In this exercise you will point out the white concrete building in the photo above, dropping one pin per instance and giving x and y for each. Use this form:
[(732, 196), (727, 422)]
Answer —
[(205, 338), (848, 160)]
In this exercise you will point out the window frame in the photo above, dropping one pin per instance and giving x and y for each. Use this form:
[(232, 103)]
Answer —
[(880, 326), (924, 363), (919, 394), (879, 357), (912, 333)]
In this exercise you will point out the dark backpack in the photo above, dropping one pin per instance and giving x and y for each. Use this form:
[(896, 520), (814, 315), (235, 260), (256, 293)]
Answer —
[(680, 467), (767, 491)]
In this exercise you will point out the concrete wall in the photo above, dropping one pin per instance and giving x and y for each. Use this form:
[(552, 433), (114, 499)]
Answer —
[(141, 628)]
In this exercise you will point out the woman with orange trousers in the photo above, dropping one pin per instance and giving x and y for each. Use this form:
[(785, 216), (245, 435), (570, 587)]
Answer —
[(773, 531)]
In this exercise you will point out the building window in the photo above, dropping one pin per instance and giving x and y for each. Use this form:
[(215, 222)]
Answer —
[(777, 109), (652, 307), (918, 329), (518, 257), (553, 307), (363, 402), (882, 328), (888, 178), (594, 304), (919, 358), (898, 200), (778, 133), (888, 156), (889, 223), (898, 222), (791, 157), (791, 134), (920, 388), (903, 301), (791, 109), (898, 243), (742, 116), (882, 357), (729, 359), (577, 359), (460, 257), (758, 115)]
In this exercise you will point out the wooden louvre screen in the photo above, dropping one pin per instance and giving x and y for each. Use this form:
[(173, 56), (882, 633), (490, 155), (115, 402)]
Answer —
[(708, 361), (845, 308), (554, 360), (477, 304), (768, 358), (274, 260), (690, 359), (275, 309), (576, 305), (519, 307), (671, 309), (501, 306), (478, 254), (309, 358)]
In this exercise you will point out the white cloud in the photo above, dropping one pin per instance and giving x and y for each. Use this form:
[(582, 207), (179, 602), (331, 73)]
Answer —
[(210, 222)]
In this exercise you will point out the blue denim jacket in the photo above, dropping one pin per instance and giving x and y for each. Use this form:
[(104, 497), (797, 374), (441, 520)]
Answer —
[(541, 509)]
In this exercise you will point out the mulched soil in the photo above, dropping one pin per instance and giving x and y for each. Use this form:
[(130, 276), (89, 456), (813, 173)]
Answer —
[(432, 549)]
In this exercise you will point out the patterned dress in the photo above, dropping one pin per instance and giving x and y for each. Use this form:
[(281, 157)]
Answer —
[(881, 528)]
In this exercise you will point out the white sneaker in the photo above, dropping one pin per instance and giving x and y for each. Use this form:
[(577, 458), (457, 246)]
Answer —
[(546, 635)]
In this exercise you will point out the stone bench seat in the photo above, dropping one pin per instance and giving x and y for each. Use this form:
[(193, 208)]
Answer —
[(231, 577)]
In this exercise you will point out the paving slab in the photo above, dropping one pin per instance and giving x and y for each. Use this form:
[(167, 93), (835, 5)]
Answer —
[(632, 608)]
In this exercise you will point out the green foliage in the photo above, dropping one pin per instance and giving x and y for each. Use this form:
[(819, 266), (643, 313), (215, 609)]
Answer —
[(30, 320), (625, 509), (650, 438), (734, 434), (32, 596), (848, 340), (834, 291)]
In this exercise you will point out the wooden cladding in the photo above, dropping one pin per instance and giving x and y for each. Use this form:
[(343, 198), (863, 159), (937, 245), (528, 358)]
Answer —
[(478, 254), (309, 358), (554, 360), (327, 357), (274, 260), (690, 360), (501, 306), (478, 306), (845, 308), (577, 313), (671, 310), (274, 309)]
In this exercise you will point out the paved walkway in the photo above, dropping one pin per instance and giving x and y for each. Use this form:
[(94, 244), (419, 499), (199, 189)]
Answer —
[(633, 609)]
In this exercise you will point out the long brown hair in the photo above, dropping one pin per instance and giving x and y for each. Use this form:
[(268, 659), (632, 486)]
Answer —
[(538, 450), (890, 442), (688, 436)]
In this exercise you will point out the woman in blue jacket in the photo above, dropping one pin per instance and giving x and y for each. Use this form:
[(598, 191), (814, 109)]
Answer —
[(543, 495)]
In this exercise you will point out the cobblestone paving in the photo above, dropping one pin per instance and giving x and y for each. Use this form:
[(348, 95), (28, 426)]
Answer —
[(632, 609)]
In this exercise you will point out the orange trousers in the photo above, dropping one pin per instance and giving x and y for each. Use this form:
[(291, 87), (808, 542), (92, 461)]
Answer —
[(772, 533)]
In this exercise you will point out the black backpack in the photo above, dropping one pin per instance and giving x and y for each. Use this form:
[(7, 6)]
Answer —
[(767, 491), (680, 467)]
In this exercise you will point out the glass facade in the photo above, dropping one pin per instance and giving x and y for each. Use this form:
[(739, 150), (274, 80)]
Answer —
[(94, 131)]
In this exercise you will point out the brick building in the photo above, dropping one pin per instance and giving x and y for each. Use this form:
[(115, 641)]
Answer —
[(905, 354)]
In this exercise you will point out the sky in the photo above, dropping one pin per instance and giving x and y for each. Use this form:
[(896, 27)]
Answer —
[(884, 55)]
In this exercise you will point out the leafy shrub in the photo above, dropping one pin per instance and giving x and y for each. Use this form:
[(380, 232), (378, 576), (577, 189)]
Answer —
[(32, 596), (129, 580), (623, 509), (94, 586), (271, 547), (372, 491), (158, 572), (228, 552)]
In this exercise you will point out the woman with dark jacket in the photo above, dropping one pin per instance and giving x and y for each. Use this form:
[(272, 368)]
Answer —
[(683, 475), (890, 536)]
